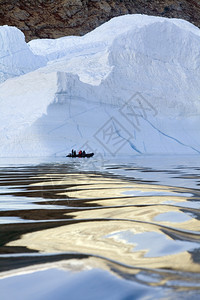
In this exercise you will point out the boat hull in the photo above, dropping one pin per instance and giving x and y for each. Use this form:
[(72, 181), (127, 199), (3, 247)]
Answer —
[(82, 155)]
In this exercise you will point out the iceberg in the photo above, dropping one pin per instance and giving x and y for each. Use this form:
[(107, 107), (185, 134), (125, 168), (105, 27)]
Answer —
[(131, 86), (16, 57)]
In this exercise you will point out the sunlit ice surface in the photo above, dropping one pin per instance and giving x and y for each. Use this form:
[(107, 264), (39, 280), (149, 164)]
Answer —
[(121, 228)]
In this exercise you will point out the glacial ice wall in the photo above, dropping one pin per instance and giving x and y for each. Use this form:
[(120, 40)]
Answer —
[(131, 86)]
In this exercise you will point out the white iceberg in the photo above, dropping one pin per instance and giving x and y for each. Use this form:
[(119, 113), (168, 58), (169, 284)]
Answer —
[(16, 57), (130, 86)]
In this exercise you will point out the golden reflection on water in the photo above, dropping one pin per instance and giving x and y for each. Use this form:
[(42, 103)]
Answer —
[(121, 223), (90, 237)]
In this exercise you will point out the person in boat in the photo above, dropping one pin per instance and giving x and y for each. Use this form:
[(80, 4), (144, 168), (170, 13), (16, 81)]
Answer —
[(73, 153), (80, 152), (84, 153)]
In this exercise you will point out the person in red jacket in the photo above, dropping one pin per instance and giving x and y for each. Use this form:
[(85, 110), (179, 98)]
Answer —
[(80, 152)]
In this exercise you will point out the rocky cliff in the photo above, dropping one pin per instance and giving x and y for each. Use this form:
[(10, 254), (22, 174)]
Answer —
[(53, 19)]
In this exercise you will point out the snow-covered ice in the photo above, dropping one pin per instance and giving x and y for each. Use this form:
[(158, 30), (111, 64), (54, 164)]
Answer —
[(129, 86)]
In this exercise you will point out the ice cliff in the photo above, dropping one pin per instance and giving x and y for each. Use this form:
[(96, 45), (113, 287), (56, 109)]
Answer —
[(130, 86)]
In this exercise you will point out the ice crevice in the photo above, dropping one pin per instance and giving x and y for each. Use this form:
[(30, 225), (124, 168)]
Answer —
[(172, 138)]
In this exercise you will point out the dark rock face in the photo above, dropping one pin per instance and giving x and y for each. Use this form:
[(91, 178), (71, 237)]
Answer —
[(56, 18)]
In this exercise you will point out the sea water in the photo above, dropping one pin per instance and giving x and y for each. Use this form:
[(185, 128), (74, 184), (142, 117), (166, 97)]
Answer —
[(111, 228)]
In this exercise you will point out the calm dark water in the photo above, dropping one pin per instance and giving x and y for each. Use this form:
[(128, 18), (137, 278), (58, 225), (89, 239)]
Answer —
[(88, 229)]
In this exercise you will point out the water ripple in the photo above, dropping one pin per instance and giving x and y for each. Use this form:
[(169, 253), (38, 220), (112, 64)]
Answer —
[(140, 230)]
